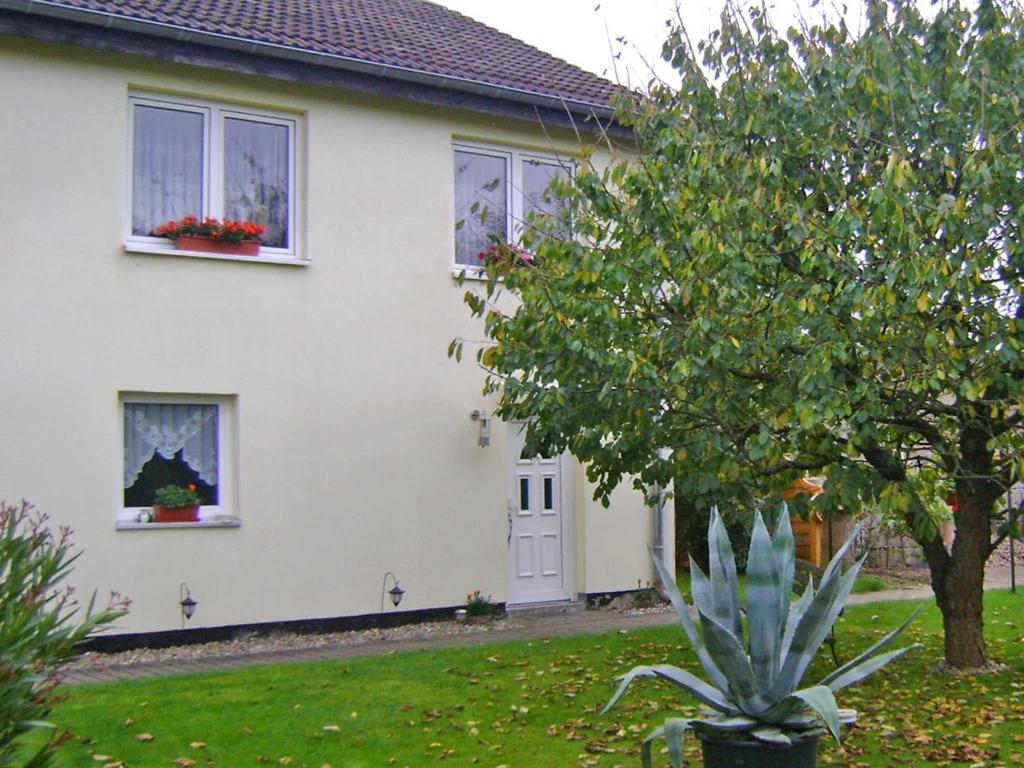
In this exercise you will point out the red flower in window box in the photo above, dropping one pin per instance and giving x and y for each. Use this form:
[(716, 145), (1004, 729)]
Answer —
[(211, 235)]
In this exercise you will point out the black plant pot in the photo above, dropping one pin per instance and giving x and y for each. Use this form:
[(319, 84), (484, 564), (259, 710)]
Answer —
[(721, 753)]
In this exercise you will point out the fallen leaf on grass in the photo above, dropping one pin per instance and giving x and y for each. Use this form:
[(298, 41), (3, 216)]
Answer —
[(331, 728), (184, 762), (197, 744), (143, 736)]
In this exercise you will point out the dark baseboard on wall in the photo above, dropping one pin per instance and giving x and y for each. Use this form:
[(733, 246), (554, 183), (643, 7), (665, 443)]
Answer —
[(601, 599), (104, 643)]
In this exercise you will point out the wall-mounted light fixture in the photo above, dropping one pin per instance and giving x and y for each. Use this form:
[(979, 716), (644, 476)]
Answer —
[(395, 592), (188, 604), (484, 439)]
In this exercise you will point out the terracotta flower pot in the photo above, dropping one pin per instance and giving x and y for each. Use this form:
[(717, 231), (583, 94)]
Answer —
[(175, 514), (209, 245)]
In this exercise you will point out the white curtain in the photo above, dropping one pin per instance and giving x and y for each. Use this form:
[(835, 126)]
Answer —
[(167, 168), (480, 180), (256, 176), (166, 429)]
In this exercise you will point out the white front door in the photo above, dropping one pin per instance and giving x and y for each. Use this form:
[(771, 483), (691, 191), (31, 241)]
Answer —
[(538, 539)]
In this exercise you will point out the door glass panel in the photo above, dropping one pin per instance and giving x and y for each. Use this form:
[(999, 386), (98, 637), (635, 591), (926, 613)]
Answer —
[(527, 455), (549, 493), (524, 494)]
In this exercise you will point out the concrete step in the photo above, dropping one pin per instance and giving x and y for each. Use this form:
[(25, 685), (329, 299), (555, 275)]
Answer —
[(543, 610)]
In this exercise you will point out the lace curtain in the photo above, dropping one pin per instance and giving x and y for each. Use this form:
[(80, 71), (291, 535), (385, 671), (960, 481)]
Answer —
[(151, 428)]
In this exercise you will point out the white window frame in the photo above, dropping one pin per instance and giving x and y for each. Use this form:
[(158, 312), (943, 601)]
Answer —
[(224, 511), (214, 116), (515, 214)]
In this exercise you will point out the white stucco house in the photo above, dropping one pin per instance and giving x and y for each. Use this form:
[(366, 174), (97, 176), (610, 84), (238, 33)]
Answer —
[(305, 391)]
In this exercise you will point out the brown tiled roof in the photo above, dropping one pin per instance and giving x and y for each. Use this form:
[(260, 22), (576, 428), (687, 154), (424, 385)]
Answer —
[(415, 35)]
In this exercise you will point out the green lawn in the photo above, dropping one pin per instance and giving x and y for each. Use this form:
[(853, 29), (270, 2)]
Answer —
[(523, 704), (865, 583), (870, 584)]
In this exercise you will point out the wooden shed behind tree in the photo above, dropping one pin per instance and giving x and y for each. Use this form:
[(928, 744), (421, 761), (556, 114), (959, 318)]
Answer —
[(807, 533)]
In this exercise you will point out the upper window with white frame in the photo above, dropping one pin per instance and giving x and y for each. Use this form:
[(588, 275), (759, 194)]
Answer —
[(176, 440), (198, 158), (498, 193)]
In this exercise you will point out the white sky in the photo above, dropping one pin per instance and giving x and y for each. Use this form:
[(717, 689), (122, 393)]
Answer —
[(586, 32)]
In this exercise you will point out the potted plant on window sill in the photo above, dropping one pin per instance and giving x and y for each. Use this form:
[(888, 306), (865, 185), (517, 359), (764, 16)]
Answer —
[(210, 235), (174, 504), (758, 716)]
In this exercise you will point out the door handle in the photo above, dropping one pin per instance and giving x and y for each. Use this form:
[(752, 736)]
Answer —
[(508, 514)]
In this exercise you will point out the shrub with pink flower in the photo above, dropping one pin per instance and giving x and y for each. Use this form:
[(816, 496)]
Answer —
[(506, 253)]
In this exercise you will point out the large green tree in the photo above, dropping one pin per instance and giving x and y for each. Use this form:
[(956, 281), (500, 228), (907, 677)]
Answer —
[(811, 264)]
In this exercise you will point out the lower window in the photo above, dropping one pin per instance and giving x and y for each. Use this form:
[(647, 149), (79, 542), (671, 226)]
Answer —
[(174, 441)]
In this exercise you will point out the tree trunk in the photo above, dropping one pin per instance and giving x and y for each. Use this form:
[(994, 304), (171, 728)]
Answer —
[(959, 594), (691, 534), (958, 577)]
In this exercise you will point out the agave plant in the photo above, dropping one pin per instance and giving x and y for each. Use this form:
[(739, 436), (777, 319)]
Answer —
[(754, 690)]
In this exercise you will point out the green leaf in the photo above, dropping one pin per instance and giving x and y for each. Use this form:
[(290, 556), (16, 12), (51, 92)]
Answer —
[(683, 612), (675, 729), (764, 605), (813, 627), (771, 735), (705, 693), (722, 575), (858, 672), (836, 678), (820, 699)]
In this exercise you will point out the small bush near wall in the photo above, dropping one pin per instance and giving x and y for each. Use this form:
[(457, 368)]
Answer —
[(40, 625), (478, 605)]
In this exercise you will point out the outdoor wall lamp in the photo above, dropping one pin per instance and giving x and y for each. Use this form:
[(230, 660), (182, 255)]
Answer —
[(188, 605), (395, 592), (484, 438)]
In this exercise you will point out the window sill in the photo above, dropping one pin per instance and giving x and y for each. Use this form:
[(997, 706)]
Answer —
[(220, 522), (472, 273), (156, 250)]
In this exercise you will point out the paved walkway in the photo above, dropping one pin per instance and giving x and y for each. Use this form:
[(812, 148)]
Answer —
[(527, 628)]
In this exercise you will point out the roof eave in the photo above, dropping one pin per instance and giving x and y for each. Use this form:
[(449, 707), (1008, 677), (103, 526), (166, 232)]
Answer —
[(48, 9)]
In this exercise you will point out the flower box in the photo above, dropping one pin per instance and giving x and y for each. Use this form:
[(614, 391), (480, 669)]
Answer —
[(210, 235), (209, 245), (175, 514)]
